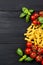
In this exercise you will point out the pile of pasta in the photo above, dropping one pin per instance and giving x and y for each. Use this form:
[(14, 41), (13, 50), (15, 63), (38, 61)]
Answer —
[(35, 35)]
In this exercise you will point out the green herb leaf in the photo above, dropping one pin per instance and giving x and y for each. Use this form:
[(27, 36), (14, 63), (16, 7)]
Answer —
[(40, 19), (25, 10), (31, 11), (22, 58), (19, 52), (22, 15), (28, 59), (42, 26), (27, 18)]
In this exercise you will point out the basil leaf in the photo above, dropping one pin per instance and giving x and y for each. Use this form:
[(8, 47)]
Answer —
[(22, 58), (27, 18), (29, 13), (28, 59), (40, 19), (42, 26), (19, 52), (31, 10), (22, 15), (25, 10)]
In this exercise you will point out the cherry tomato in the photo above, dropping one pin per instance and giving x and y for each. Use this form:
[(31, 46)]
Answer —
[(27, 51), (34, 48), (38, 23), (41, 51), (33, 55), (36, 15), (39, 58), (35, 22), (41, 13), (42, 62), (32, 17), (28, 44)]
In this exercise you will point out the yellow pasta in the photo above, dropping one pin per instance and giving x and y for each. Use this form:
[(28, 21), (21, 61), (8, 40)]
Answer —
[(35, 35)]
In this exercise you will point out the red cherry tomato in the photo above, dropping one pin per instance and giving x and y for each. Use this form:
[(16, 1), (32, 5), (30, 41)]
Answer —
[(41, 51), (35, 22), (28, 44), (41, 13), (32, 17), (34, 48), (36, 15), (42, 62), (27, 51), (39, 58), (33, 55), (38, 23)]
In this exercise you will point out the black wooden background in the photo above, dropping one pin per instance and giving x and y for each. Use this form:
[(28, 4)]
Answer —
[(12, 29)]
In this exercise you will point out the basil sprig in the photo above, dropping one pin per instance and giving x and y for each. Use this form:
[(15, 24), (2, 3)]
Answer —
[(26, 13), (25, 58)]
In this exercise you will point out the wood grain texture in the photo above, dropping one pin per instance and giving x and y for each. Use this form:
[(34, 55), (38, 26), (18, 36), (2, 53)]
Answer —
[(12, 29), (17, 4)]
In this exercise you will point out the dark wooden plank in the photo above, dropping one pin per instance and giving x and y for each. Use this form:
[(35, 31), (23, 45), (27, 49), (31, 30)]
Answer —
[(3, 54), (17, 4), (12, 27)]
